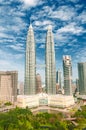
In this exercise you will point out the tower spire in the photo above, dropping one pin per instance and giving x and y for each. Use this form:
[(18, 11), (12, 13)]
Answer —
[(30, 24), (50, 28)]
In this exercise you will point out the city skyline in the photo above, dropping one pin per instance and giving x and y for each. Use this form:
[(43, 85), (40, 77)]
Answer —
[(68, 25)]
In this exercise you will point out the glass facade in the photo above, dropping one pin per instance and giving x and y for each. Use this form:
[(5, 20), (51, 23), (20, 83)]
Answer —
[(43, 101), (58, 78), (82, 78), (30, 71), (50, 70), (67, 72)]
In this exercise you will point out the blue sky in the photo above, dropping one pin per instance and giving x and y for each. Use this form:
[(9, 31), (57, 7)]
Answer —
[(68, 19)]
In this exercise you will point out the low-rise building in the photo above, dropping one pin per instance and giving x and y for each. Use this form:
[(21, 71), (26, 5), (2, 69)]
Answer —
[(43, 99)]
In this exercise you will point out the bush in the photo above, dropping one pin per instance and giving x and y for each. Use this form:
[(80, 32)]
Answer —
[(7, 103)]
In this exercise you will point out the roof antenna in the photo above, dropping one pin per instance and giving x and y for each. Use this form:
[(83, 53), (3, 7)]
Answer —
[(30, 23)]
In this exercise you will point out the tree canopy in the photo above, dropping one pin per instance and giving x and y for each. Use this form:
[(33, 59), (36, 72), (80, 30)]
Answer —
[(24, 119)]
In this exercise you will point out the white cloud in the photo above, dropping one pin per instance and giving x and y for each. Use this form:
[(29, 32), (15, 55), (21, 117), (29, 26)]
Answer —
[(74, 1), (2, 28), (6, 55), (17, 47), (63, 13), (42, 46), (12, 26), (3, 35), (71, 28), (6, 65), (61, 39), (11, 21), (82, 17), (41, 39), (79, 56), (30, 3), (65, 50), (81, 53), (9, 61), (78, 6), (59, 36), (4, 2), (43, 23)]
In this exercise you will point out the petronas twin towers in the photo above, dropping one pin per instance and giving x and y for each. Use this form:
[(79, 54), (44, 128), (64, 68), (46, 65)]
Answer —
[(50, 70), (30, 64)]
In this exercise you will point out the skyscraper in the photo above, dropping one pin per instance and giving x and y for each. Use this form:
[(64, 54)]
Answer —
[(8, 86), (50, 70), (82, 78), (77, 85), (30, 71), (67, 72), (58, 78)]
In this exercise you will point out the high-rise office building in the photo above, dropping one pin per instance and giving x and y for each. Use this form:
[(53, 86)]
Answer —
[(58, 78), (38, 84), (8, 86), (67, 72), (21, 88), (50, 70), (82, 78), (57, 87), (30, 68), (77, 85)]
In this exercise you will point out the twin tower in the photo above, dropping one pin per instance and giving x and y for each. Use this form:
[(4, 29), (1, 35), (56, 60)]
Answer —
[(30, 64)]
